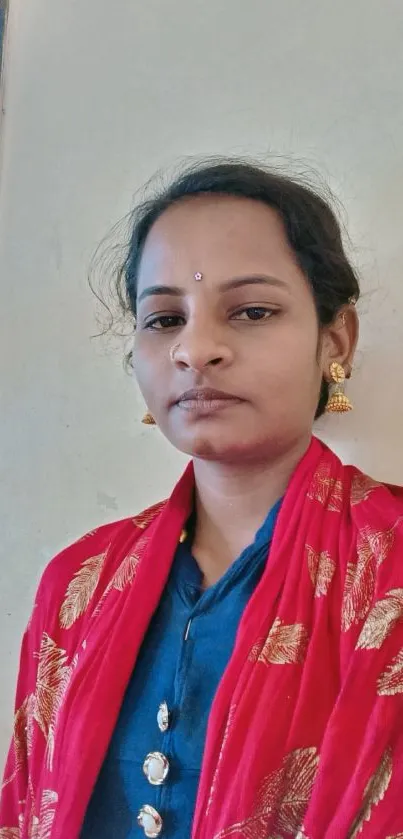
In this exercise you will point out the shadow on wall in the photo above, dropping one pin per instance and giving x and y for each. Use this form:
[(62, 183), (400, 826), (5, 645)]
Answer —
[(3, 14), (3, 20)]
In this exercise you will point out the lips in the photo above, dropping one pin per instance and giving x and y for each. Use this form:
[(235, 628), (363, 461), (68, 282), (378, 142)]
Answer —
[(206, 400)]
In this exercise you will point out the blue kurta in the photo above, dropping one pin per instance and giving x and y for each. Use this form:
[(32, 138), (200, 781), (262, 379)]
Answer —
[(182, 659)]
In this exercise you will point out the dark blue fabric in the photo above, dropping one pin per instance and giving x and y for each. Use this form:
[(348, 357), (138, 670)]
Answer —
[(182, 659)]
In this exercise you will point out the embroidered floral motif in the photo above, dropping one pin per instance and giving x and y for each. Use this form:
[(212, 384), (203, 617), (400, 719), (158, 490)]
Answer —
[(10, 833), (321, 570), (81, 590), (374, 793), (284, 645), (326, 489), (282, 800), (381, 620), (144, 519), (391, 680)]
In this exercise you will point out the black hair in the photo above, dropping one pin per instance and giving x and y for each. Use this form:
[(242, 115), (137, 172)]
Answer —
[(310, 222)]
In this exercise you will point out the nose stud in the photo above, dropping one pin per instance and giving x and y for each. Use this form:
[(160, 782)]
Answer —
[(198, 276), (173, 351)]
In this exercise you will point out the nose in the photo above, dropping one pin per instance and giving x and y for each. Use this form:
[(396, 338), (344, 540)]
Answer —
[(201, 347)]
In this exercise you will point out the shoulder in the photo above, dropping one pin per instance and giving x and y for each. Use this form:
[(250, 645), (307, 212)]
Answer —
[(376, 511), (342, 486), (88, 564), (367, 496)]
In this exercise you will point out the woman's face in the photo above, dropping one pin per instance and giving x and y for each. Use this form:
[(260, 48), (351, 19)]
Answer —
[(248, 330)]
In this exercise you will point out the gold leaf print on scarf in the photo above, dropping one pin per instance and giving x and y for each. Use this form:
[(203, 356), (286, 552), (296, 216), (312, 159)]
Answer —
[(391, 680), (126, 572), (41, 828), (299, 775), (374, 793), (377, 543), (53, 677), (325, 489), (282, 799), (381, 620), (22, 737), (373, 547), (358, 592), (321, 570), (81, 590), (29, 728), (396, 836), (144, 519), (361, 488), (285, 644)]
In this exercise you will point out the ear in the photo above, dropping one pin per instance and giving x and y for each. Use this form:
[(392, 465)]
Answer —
[(339, 341)]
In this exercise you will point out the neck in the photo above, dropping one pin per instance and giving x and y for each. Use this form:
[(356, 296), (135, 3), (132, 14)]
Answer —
[(232, 502)]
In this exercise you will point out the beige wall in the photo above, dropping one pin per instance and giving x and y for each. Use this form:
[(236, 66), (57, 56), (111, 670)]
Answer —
[(100, 94)]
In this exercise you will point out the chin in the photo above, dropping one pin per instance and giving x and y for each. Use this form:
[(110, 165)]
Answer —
[(219, 449)]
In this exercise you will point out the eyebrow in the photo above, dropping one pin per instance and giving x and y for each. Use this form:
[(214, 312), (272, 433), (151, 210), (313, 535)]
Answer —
[(252, 279), (227, 285), (155, 290)]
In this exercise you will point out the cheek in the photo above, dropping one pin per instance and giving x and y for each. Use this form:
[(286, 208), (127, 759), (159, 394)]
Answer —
[(143, 366), (289, 354), (288, 374), (151, 371)]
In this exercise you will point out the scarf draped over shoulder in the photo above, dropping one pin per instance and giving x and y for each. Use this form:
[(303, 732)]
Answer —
[(305, 735)]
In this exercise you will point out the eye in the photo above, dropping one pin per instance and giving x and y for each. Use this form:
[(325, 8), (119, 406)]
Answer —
[(163, 322), (254, 313)]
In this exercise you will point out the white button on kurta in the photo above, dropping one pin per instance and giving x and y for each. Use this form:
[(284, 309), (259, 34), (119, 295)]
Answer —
[(156, 768), (163, 717), (150, 820)]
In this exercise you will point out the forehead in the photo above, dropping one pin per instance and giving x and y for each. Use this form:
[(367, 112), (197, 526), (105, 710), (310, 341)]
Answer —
[(223, 235)]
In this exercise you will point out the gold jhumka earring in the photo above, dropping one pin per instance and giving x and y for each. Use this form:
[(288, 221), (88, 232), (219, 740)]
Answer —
[(148, 419), (338, 402)]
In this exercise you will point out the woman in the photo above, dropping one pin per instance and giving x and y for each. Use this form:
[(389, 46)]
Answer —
[(230, 662)]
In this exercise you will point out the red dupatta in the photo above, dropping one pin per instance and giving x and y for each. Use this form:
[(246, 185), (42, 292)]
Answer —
[(305, 736)]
